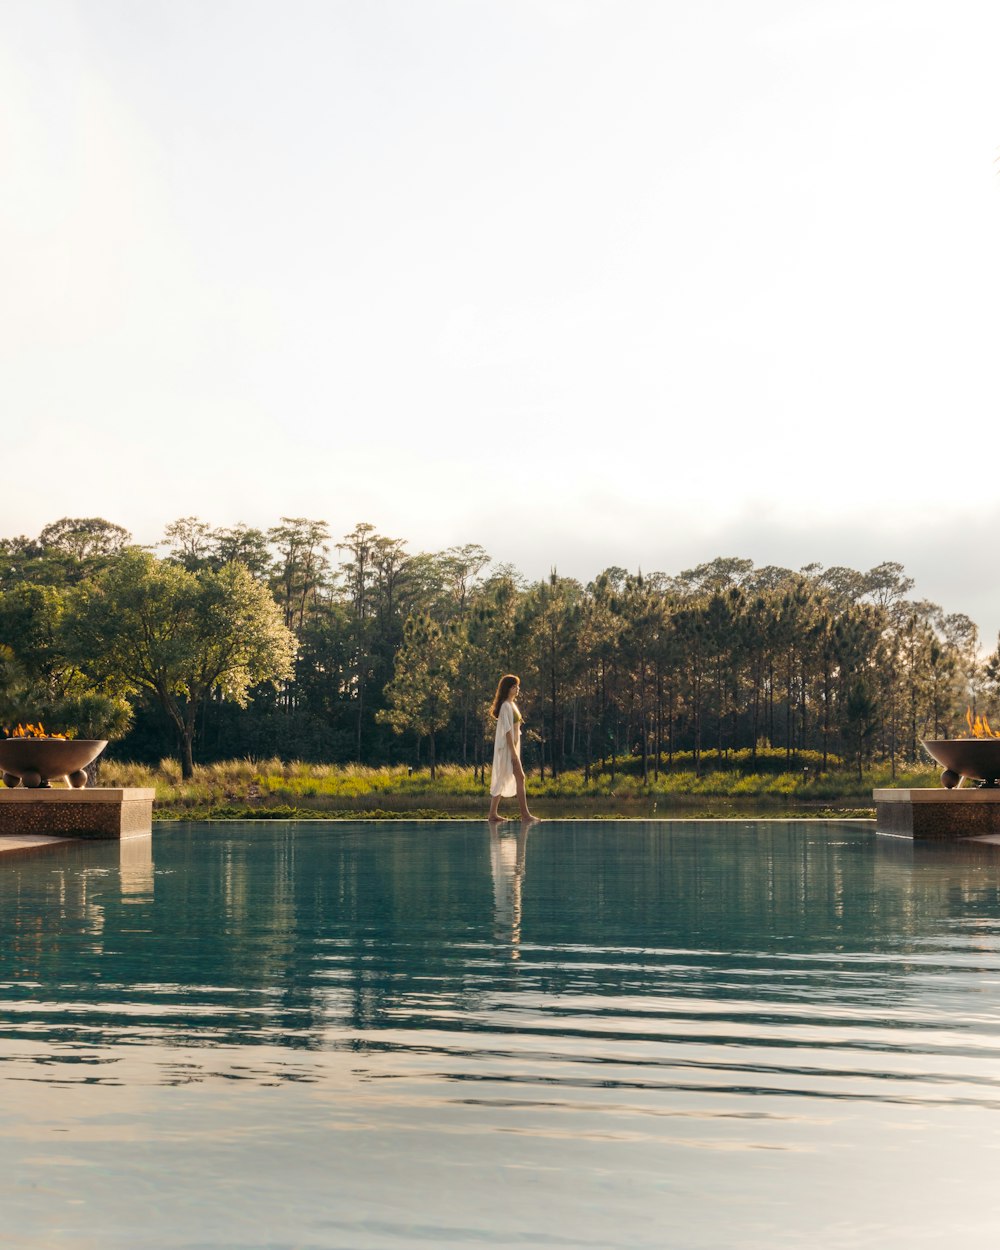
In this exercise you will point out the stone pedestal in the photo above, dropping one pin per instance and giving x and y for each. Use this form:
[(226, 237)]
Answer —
[(939, 814), (97, 813)]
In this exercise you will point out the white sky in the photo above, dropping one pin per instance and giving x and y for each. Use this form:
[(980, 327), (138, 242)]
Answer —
[(585, 282)]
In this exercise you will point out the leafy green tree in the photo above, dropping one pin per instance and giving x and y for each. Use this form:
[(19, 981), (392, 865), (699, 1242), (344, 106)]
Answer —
[(860, 721), (720, 574), (690, 626), (242, 544), (323, 679), (459, 570), (462, 606), (842, 586), (942, 666), (40, 680), (487, 651), (358, 575), (639, 607), (721, 654), (549, 628), (301, 567), (759, 627), (421, 694), (962, 637), (12, 682), (723, 641), (886, 585), (795, 611), (66, 552), (990, 674), (151, 626), (382, 585), (190, 542), (599, 637), (84, 540)]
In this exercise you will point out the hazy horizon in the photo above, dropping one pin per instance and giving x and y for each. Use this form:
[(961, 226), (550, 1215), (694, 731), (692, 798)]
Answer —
[(586, 283)]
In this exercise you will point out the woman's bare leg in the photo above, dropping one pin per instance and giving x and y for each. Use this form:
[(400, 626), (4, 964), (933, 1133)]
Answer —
[(522, 799)]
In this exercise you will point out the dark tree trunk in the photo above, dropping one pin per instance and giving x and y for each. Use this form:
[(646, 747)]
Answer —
[(697, 724), (183, 721), (788, 712), (554, 739), (659, 723), (357, 731), (187, 754), (720, 708)]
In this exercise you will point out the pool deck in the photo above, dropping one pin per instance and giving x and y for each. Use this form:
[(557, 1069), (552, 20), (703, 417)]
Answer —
[(29, 842)]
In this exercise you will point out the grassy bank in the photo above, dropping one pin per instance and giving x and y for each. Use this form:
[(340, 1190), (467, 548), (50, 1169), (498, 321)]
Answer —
[(279, 789)]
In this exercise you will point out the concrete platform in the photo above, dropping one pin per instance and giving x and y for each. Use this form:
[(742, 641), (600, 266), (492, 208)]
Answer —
[(17, 842), (939, 814), (101, 812)]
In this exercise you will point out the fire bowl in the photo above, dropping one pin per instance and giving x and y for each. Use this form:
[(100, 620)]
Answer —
[(35, 762), (975, 758)]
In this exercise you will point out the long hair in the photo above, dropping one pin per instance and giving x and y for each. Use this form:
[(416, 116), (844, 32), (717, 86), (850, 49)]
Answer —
[(505, 686)]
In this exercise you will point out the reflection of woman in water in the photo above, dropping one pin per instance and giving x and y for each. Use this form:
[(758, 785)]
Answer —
[(508, 775), (507, 859)]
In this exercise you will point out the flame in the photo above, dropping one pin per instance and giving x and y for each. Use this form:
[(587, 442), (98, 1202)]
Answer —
[(980, 726), (31, 731)]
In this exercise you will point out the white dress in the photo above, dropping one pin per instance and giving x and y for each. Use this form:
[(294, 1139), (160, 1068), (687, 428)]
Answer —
[(502, 781)]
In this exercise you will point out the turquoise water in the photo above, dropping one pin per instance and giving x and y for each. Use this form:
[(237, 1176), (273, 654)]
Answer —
[(589, 1034)]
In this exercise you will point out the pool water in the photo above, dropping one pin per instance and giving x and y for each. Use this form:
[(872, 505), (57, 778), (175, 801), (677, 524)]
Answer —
[(586, 1034)]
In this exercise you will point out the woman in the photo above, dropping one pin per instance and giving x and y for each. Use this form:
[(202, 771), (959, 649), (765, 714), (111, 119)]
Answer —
[(508, 775)]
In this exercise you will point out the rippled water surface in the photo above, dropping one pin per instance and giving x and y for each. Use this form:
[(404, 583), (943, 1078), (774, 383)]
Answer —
[(589, 1034)]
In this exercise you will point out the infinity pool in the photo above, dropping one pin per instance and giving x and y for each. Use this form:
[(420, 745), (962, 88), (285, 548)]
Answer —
[(589, 1034)]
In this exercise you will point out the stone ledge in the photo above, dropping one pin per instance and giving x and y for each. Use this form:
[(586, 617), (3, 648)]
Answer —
[(939, 814), (972, 795), (89, 794), (101, 812)]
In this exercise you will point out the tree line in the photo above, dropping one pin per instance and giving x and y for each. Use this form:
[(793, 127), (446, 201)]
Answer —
[(228, 642)]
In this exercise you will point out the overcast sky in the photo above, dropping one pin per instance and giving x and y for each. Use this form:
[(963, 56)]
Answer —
[(587, 283)]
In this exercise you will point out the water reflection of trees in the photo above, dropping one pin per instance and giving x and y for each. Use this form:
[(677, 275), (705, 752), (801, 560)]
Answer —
[(305, 936)]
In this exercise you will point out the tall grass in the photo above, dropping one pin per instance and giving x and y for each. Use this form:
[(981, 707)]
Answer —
[(274, 783)]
